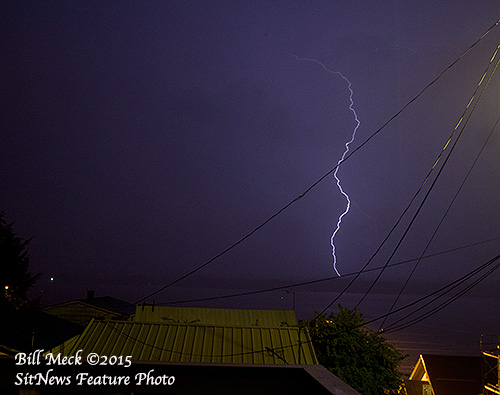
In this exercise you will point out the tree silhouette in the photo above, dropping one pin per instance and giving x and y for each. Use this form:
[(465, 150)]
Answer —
[(15, 280), (357, 355)]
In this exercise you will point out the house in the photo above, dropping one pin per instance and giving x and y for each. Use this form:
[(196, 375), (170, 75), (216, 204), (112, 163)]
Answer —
[(198, 335), (27, 329), (446, 375), (30, 329), (81, 311), (194, 351)]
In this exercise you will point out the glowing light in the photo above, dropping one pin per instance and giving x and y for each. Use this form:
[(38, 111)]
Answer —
[(353, 136)]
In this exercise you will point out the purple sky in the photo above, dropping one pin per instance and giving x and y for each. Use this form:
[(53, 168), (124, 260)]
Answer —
[(140, 139)]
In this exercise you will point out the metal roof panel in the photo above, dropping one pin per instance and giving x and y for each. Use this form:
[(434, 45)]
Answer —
[(193, 343)]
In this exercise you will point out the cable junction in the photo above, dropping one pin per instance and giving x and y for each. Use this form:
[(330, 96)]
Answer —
[(346, 151)]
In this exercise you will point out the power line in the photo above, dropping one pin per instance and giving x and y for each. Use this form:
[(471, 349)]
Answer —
[(313, 281), (442, 166), (443, 217), (466, 276), (443, 304), (321, 178), (394, 327), (281, 287), (440, 292)]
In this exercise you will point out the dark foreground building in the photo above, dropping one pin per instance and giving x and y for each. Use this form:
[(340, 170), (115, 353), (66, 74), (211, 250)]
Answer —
[(178, 351)]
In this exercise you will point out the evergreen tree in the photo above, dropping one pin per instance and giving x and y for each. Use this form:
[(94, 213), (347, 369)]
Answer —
[(15, 280)]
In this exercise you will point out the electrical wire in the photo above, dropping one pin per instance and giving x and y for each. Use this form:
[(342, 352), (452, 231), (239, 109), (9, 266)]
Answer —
[(443, 217), (394, 327), (443, 304), (321, 178), (444, 163), (281, 287), (412, 200), (293, 285), (491, 261), (440, 292)]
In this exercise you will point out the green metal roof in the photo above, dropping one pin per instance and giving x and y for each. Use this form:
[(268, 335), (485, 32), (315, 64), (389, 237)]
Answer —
[(207, 316), (193, 343)]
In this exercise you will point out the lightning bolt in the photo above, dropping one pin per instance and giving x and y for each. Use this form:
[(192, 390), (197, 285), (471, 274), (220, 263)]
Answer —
[(353, 136)]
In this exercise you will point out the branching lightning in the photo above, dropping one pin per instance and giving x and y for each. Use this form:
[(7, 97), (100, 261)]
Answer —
[(353, 136)]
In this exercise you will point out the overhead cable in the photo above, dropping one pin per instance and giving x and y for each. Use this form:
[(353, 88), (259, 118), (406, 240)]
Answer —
[(195, 270), (395, 327), (439, 292), (310, 282), (442, 166), (442, 218)]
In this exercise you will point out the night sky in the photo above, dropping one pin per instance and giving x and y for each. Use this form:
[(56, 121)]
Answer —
[(141, 139)]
